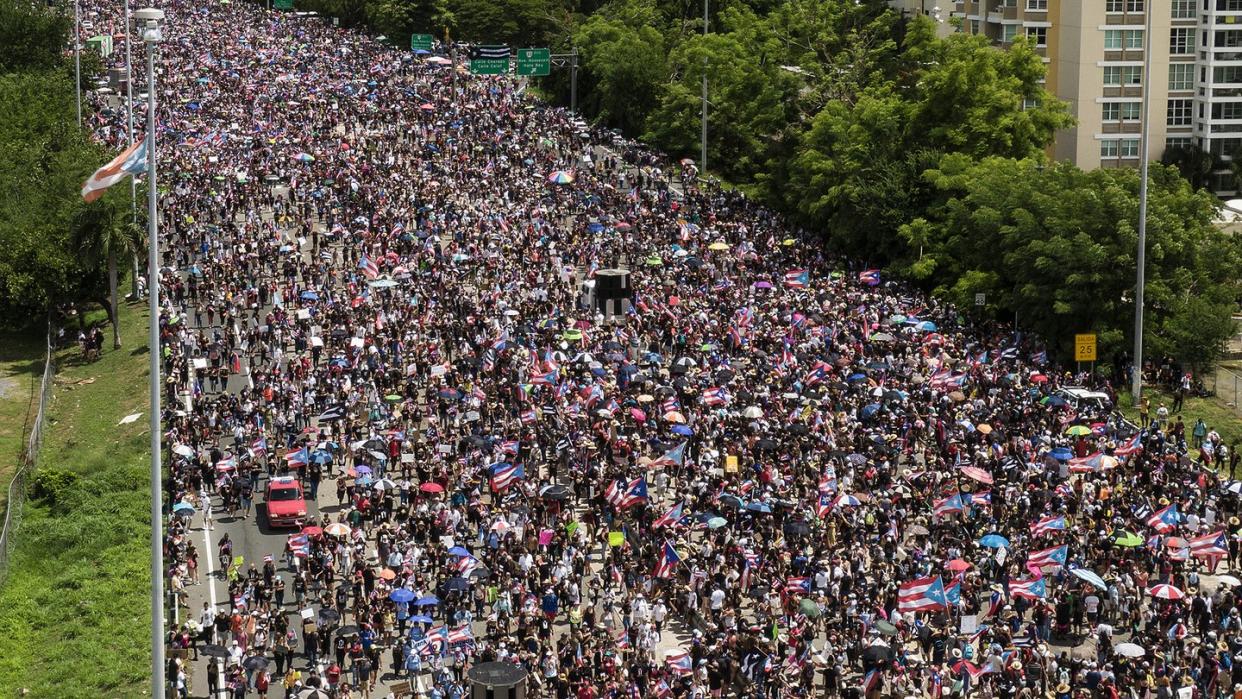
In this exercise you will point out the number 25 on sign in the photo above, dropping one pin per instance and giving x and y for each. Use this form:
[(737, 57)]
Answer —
[(1084, 347)]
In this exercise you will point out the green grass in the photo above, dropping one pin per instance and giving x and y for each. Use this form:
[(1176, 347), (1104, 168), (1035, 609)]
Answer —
[(1214, 411), (21, 368), (74, 612)]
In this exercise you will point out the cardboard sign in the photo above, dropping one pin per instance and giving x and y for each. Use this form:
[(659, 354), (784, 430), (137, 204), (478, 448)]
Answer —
[(200, 363), (616, 539), (303, 313), (731, 465)]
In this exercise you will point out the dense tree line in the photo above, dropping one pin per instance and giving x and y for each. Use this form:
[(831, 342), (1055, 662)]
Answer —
[(54, 249)]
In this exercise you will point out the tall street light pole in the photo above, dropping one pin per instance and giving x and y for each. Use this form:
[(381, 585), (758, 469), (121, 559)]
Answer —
[(77, 56), (1136, 375), (149, 19), (703, 135), (129, 111)]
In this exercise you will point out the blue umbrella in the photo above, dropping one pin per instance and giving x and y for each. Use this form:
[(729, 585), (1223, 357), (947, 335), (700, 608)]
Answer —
[(682, 430), (428, 601), (459, 551), (421, 52), (856, 377), (183, 508), (869, 410), (926, 326), (421, 619), (994, 541), (716, 522), (401, 594), (310, 296), (730, 499), (760, 507), (1090, 576), (362, 470), (1061, 454)]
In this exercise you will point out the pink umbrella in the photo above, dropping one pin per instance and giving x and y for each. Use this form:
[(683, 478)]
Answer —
[(430, 487), (957, 565), (978, 474), (638, 414), (1166, 592)]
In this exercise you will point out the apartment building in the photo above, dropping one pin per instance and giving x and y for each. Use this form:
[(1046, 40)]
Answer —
[(1095, 51)]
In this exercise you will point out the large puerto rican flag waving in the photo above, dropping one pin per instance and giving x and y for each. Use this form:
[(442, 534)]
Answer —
[(922, 595)]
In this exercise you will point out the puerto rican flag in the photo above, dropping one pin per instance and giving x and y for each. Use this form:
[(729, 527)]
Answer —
[(953, 593), (622, 639), (797, 278), (1028, 589), (297, 459), (545, 379), (1091, 463), (1048, 525), (369, 269), (1047, 558), (922, 595), (825, 504), (504, 475), (259, 446), (715, 396), (948, 506), (673, 457), (509, 446), (1209, 545), (818, 373), (669, 558), (662, 690), (1040, 357), (623, 495), (461, 634), (1133, 446), (828, 482), (995, 603), (1164, 520), (466, 565), (870, 277), (798, 586), (871, 681), (680, 663), (669, 518), (299, 544)]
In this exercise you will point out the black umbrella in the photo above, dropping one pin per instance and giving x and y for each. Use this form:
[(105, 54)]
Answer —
[(730, 500), (329, 615), (554, 492), (375, 444), (212, 650), (797, 527), (347, 630), (765, 444), (255, 662), (459, 584), (874, 656), (480, 573), (798, 428)]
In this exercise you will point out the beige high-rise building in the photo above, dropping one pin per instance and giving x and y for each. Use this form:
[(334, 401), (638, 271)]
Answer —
[(1094, 50)]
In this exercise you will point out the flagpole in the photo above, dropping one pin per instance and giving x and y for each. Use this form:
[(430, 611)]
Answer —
[(129, 110), (151, 36)]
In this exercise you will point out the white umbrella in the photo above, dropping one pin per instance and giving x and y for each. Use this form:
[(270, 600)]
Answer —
[(1130, 650), (1166, 592), (754, 412), (1228, 580), (183, 450)]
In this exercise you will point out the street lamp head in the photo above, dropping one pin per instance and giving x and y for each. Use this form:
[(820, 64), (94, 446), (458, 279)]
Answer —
[(149, 19)]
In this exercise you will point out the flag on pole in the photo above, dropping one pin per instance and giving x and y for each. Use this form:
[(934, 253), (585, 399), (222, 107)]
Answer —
[(131, 161)]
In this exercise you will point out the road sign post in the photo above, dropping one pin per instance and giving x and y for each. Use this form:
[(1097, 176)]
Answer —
[(421, 42), (1084, 349), (489, 60), (534, 62)]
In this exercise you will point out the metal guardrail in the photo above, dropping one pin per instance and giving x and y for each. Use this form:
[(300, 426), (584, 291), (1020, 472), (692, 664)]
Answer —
[(16, 497)]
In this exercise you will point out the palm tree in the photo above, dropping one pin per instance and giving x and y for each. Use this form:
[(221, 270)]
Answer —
[(101, 232)]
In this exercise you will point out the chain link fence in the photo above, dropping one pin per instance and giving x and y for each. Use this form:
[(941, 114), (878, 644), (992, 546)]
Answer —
[(1227, 385), (26, 463)]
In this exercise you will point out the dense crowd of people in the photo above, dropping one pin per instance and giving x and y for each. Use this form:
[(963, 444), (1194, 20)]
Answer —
[(822, 482)]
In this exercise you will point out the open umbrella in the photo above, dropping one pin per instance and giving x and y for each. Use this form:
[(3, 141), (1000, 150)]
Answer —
[(1089, 576), (1128, 540), (1061, 454), (1166, 592), (994, 541), (957, 565), (977, 473), (430, 487), (753, 412), (1078, 431), (255, 662), (1129, 650), (401, 594), (561, 177), (421, 619), (809, 609), (428, 601), (885, 628), (212, 650)]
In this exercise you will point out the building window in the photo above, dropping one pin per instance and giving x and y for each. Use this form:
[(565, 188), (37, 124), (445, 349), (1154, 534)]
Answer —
[(1227, 110), (1129, 148), (1183, 9), (1030, 103), (1181, 41), (1133, 38), (1112, 39), (1180, 112), (1178, 142), (1227, 75), (1114, 5), (1181, 76), (1109, 148), (1010, 31), (1037, 5), (1037, 35), (1112, 76), (1228, 5), (1121, 111)]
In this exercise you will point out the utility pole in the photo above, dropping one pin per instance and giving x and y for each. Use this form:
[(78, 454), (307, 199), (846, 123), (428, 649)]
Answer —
[(77, 56), (1140, 281), (129, 114), (703, 135), (573, 81)]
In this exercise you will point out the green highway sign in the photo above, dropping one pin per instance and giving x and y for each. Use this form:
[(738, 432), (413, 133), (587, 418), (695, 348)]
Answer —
[(420, 42), (534, 62), (282, 4), (489, 60)]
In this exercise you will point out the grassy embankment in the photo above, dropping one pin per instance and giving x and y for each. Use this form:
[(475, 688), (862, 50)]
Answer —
[(74, 612)]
